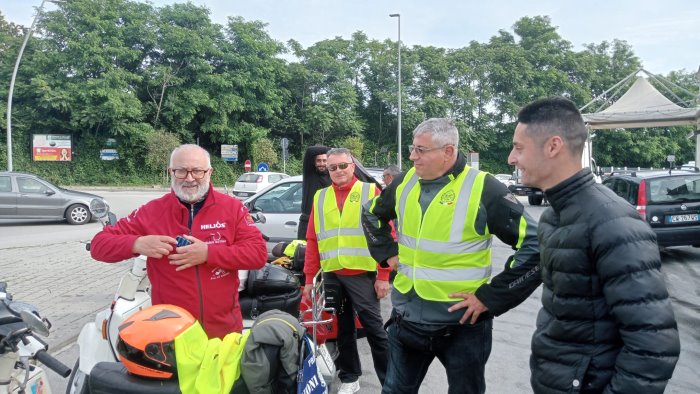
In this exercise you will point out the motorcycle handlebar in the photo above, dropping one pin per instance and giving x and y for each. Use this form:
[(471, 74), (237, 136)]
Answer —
[(52, 363)]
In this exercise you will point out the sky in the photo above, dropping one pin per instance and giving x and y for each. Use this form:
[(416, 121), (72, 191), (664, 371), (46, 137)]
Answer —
[(665, 35)]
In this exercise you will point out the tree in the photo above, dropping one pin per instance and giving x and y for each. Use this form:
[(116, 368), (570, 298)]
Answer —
[(159, 146), (263, 151)]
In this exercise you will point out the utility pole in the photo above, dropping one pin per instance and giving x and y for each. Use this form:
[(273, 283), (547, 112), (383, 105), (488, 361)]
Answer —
[(12, 84), (398, 156)]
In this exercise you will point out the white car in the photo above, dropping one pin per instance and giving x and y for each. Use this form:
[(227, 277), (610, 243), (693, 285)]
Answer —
[(280, 206), (252, 182), (505, 179)]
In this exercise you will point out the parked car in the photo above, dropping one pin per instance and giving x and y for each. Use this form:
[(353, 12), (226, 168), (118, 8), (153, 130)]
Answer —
[(670, 203), (252, 182), (27, 196), (377, 173), (689, 166), (280, 206), (505, 179)]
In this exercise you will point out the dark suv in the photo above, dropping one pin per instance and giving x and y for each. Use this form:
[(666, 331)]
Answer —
[(670, 203)]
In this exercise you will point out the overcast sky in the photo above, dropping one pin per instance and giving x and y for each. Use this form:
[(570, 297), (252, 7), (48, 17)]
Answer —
[(664, 34)]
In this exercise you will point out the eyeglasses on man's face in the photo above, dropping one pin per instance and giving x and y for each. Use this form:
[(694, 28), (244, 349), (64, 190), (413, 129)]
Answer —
[(333, 167), (181, 173), (421, 150)]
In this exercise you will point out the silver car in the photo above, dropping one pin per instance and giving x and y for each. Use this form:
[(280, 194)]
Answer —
[(26, 196), (280, 205)]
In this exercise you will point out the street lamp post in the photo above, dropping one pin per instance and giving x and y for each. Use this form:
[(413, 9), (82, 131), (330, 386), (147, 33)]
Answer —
[(398, 156), (12, 85)]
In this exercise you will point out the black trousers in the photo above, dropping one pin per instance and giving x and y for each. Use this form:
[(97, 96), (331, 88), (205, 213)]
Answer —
[(359, 296)]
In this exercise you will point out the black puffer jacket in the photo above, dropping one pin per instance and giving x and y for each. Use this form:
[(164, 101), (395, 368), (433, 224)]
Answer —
[(606, 324)]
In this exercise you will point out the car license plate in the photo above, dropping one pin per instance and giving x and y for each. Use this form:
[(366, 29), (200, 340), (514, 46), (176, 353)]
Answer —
[(682, 218), (240, 194)]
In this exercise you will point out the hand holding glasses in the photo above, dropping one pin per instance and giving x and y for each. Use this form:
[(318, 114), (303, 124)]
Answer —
[(181, 173), (333, 167)]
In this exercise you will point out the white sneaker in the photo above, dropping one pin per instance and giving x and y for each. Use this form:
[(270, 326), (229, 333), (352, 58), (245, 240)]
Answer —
[(349, 388)]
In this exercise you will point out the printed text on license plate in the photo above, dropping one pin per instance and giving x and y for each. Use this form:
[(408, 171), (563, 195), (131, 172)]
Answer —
[(683, 218)]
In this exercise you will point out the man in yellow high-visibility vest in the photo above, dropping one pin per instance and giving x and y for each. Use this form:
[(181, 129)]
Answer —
[(336, 244), (445, 214)]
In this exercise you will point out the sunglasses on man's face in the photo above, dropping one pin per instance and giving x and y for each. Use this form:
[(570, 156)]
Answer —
[(333, 167)]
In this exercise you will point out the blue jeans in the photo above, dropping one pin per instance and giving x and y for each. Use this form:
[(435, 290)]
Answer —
[(462, 349)]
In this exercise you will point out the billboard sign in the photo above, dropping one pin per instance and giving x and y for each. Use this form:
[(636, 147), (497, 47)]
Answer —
[(52, 147)]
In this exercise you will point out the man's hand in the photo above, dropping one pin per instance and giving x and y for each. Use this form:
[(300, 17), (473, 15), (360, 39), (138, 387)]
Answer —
[(307, 292), (393, 262), (154, 246), (473, 305), (189, 255), (382, 288)]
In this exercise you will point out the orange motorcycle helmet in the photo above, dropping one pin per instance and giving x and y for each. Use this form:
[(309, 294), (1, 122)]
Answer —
[(146, 343)]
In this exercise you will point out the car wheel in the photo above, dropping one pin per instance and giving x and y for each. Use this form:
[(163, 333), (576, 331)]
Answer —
[(78, 214), (535, 200)]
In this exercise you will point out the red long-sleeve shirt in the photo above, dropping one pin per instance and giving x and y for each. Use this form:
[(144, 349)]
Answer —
[(312, 262)]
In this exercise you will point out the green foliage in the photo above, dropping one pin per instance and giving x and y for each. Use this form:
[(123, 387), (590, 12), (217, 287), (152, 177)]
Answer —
[(124, 69), (264, 152), (159, 146), (224, 174), (355, 145)]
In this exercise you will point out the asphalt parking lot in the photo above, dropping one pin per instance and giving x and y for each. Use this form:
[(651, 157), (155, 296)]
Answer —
[(46, 265)]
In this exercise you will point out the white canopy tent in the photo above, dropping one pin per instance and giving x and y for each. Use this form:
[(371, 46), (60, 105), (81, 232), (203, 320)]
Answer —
[(644, 106)]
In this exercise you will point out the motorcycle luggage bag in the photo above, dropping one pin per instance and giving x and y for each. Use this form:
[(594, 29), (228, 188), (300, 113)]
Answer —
[(113, 378), (271, 279), (253, 306)]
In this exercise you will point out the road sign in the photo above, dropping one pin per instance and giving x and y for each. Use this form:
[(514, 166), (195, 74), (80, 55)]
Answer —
[(247, 165), (263, 167), (285, 143), (229, 152), (109, 154)]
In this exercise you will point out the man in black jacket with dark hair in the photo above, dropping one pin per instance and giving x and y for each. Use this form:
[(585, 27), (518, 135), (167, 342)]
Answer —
[(315, 177), (606, 324)]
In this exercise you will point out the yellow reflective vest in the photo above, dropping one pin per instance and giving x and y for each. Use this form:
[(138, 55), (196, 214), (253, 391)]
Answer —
[(440, 251), (206, 365), (341, 240)]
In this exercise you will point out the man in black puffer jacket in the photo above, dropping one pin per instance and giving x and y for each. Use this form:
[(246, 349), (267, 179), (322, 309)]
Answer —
[(606, 324)]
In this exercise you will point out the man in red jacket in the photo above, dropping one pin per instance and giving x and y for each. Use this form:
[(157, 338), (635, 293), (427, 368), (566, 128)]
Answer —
[(335, 244), (202, 276)]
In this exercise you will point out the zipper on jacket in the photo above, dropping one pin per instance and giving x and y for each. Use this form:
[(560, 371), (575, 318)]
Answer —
[(196, 271)]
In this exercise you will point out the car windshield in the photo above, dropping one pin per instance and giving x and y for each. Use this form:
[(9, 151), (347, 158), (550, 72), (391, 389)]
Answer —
[(674, 189)]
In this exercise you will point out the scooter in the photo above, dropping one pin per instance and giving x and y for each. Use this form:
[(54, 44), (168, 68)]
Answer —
[(20, 348), (98, 339)]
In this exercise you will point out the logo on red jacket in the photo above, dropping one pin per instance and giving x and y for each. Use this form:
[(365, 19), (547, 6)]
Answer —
[(214, 238), (215, 226), (218, 273)]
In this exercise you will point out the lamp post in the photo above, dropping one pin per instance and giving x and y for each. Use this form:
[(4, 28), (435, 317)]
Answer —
[(398, 156), (12, 83), (697, 123)]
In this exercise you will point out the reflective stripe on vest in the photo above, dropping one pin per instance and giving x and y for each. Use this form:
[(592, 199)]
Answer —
[(341, 240), (443, 253)]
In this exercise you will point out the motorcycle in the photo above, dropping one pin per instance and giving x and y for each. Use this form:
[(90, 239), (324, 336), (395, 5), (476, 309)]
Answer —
[(21, 348), (97, 340)]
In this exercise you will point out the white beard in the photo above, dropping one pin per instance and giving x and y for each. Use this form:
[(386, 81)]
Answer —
[(188, 195)]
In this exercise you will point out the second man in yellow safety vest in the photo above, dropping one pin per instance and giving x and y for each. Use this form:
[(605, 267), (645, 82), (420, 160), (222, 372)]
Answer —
[(446, 213), (336, 243)]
